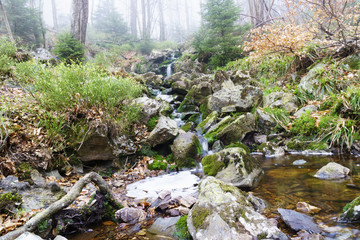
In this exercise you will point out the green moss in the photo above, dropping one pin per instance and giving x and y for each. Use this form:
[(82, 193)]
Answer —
[(212, 117), (44, 226), (152, 122), (194, 118), (24, 172), (212, 164), (187, 126), (262, 236), (211, 136), (204, 109), (317, 146), (349, 208), (305, 126), (9, 202), (147, 151), (296, 145), (199, 215), (186, 106), (239, 145), (182, 232), (159, 163)]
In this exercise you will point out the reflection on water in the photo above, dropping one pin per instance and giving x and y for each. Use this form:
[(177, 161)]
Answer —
[(285, 184)]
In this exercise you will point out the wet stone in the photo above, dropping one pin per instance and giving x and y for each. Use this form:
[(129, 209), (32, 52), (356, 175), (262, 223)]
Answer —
[(332, 171), (130, 215), (299, 162), (298, 221)]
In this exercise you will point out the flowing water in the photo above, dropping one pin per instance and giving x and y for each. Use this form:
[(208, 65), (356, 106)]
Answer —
[(283, 185)]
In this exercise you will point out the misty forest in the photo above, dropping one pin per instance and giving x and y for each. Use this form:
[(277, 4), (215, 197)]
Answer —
[(179, 119)]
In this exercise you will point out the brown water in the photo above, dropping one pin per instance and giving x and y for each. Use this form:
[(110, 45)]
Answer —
[(285, 184)]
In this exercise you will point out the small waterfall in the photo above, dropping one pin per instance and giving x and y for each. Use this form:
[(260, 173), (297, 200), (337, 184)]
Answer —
[(170, 66)]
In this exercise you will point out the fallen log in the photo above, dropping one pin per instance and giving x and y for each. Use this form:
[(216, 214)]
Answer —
[(65, 201)]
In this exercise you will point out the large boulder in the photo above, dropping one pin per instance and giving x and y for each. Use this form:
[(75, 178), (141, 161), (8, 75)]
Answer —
[(209, 121), (232, 129), (199, 92), (149, 107), (176, 77), (152, 79), (165, 130), (242, 99), (219, 78), (233, 165), (224, 212), (266, 123), (298, 221), (186, 149), (351, 212), (305, 110), (130, 215), (287, 101), (309, 81), (332, 170)]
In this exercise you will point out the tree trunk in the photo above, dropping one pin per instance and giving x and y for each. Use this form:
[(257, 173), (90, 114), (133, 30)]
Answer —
[(79, 20), (148, 24), (54, 12), (133, 17), (187, 16), (6, 22), (143, 19), (65, 201), (162, 21)]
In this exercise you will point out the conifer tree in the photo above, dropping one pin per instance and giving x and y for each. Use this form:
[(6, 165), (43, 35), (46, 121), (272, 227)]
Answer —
[(216, 40)]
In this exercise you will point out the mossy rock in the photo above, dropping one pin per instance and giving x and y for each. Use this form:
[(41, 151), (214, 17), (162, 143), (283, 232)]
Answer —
[(186, 106), (9, 202), (212, 133), (353, 61), (351, 211), (240, 145), (208, 122), (186, 149), (212, 164), (294, 145), (194, 118), (188, 126)]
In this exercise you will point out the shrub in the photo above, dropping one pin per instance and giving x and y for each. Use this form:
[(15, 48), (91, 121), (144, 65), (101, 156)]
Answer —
[(182, 232), (304, 125), (69, 49)]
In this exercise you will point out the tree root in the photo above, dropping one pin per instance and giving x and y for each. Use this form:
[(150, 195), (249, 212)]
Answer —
[(65, 201)]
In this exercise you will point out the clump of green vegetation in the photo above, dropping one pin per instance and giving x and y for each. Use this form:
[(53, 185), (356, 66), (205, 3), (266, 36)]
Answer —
[(24, 172), (240, 145), (44, 226), (69, 49), (199, 215), (182, 232), (305, 126), (280, 115), (152, 122), (161, 163), (349, 209), (187, 126), (147, 151), (9, 202)]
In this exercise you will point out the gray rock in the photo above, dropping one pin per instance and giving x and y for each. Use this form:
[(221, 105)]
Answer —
[(149, 107), (54, 173), (54, 187), (237, 129), (332, 171), (266, 122), (12, 182), (187, 201), (165, 130), (38, 179), (199, 92), (164, 226), (28, 236), (308, 82), (287, 101), (270, 149), (233, 165), (260, 139), (217, 146), (223, 212), (299, 162), (306, 109), (209, 121), (152, 79), (298, 221), (186, 149), (219, 78), (123, 146), (41, 54), (130, 215), (244, 99)]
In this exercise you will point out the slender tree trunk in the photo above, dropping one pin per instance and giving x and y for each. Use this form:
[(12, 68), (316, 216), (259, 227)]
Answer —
[(162, 21), (6, 22), (187, 16), (79, 21), (133, 17), (143, 19), (54, 12), (148, 24)]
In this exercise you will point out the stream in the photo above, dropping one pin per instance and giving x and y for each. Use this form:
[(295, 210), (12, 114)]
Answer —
[(284, 184)]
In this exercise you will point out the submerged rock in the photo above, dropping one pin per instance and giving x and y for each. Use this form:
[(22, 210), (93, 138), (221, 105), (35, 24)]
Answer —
[(130, 215), (332, 171), (224, 212), (298, 221), (307, 208), (186, 149), (165, 130), (233, 165), (164, 226)]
